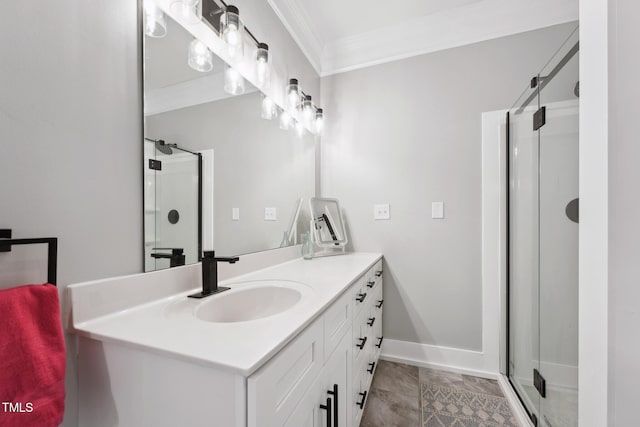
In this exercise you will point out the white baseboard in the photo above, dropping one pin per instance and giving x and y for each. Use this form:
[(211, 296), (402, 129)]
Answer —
[(457, 360), (516, 406)]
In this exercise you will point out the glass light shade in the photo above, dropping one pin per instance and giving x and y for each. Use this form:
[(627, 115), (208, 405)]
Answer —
[(293, 94), (269, 110), (319, 124), (233, 81), (307, 110), (155, 23), (188, 11), (285, 120), (231, 29), (200, 57), (263, 64), (299, 128)]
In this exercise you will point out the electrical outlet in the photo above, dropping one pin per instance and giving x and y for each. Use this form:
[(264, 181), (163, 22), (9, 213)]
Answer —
[(270, 214), (437, 210), (381, 212), (235, 214)]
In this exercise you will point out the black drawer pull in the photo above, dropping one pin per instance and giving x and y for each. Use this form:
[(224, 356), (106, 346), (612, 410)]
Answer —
[(361, 297), (379, 342), (371, 284), (327, 408), (364, 397), (378, 273), (334, 393), (371, 321), (379, 304), (372, 366), (363, 341)]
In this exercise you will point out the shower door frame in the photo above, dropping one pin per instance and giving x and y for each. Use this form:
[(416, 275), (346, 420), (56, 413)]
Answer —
[(538, 83)]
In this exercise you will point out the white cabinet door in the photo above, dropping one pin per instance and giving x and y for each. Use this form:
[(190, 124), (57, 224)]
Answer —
[(326, 402), (277, 388)]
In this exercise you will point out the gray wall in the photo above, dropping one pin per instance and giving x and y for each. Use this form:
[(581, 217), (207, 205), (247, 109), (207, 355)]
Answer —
[(409, 133), (70, 142), (624, 211), (70, 139)]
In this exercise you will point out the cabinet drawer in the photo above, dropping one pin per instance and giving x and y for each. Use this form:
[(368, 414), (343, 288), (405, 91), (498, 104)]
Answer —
[(359, 396), (274, 391), (376, 271), (337, 321), (360, 345), (360, 296)]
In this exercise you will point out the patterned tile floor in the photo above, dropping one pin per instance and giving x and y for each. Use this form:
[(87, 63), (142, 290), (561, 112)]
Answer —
[(407, 396)]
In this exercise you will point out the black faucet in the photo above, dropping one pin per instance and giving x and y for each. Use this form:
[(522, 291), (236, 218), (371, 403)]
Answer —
[(210, 274), (176, 257)]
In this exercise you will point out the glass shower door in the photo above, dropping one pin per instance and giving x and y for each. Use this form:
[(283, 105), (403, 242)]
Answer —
[(543, 242), (559, 216), (524, 334)]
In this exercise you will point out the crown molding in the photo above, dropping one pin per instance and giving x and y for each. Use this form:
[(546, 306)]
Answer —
[(444, 30), (298, 23), (463, 25)]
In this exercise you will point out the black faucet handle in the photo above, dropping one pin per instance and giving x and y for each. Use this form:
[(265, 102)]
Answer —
[(212, 254)]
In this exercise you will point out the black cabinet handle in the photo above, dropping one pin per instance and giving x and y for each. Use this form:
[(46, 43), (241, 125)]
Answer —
[(327, 408), (334, 393), (361, 297), (379, 305), (378, 273), (372, 366), (379, 342), (371, 284), (371, 321), (362, 343), (364, 397)]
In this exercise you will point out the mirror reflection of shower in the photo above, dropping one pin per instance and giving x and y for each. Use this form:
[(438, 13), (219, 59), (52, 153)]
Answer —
[(173, 199)]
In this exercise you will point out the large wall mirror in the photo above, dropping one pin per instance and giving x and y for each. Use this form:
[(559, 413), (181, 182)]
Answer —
[(220, 173)]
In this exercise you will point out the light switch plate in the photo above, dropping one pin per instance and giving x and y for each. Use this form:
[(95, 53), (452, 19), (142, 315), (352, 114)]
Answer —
[(437, 210), (381, 211), (235, 214), (270, 214)]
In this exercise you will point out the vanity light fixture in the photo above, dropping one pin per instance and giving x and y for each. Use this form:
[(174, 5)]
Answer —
[(299, 112), (263, 64), (293, 94), (200, 57), (285, 120), (189, 11), (231, 28), (233, 81), (319, 124), (155, 23), (269, 109)]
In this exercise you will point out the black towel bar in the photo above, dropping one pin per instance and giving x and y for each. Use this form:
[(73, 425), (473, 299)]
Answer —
[(6, 242)]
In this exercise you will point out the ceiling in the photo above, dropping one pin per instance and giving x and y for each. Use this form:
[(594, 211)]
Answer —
[(334, 19), (342, 35)]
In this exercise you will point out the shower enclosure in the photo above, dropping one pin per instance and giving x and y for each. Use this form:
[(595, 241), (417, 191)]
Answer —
[(542, 240)]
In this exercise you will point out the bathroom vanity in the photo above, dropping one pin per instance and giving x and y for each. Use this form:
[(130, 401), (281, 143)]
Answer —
[(294, 344)]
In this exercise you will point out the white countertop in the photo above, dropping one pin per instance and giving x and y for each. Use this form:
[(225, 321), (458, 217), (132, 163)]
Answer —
[(168, 326)]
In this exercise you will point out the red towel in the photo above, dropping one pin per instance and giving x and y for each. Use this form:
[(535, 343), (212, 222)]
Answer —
[(32, 357)]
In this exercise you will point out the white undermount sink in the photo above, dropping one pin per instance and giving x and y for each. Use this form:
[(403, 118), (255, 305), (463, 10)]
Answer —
[(251, 301)]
